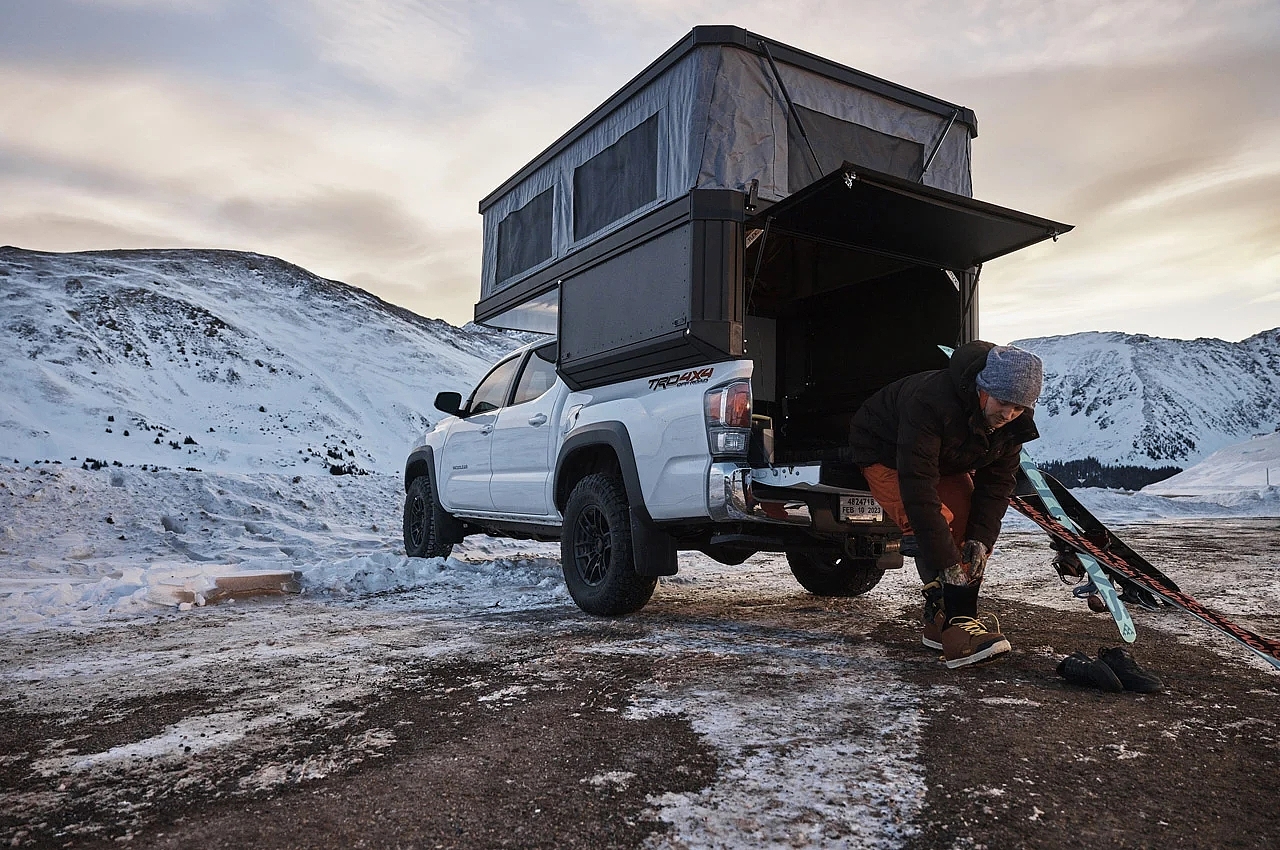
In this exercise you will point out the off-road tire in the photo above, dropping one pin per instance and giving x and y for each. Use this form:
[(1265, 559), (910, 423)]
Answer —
[(834, 574), (423, 521), (596, 552)]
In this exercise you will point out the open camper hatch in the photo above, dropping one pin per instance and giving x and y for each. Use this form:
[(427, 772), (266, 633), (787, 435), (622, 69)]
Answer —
[(744, 199)]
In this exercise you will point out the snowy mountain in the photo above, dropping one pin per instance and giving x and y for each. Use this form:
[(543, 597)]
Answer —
[(217, 360), (1145, 401), (237, 362), (1253, 465)]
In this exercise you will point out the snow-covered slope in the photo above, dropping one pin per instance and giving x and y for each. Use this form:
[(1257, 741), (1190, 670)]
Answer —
[(1250, 466), (123, 355), (1147, 401), (217, 360)]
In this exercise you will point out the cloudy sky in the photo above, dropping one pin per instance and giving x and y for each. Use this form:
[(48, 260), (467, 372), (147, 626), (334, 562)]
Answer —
[(355, 137)]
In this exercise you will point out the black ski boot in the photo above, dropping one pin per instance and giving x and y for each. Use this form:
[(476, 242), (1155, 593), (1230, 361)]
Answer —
[(1080, 669), (1126, 669)]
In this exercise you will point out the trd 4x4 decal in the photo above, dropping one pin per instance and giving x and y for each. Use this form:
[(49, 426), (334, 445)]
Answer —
[(695, 376)]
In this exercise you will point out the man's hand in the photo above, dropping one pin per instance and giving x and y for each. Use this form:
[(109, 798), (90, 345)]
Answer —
[(974, 556), (973, 561)]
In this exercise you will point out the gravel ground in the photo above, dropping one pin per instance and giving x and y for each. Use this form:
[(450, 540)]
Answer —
[(734, 710)]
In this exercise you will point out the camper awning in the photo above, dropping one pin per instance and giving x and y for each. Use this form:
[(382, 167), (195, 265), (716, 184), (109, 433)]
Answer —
[(881, 214)]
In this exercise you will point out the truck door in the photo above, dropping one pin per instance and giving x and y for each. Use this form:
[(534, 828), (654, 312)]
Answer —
[(522, 439), (466, 467)]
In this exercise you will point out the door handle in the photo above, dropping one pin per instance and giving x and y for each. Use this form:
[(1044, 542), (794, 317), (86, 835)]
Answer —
[(486, 430), (538, 419)]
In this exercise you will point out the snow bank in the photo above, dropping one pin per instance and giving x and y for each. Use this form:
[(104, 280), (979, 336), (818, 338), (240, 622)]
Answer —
[(518, 582), (1242, 473), (136, 590), (80, 546), (1121, 507)]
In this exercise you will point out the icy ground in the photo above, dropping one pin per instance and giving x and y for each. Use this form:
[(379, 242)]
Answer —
[(78, 546), (88, 560)]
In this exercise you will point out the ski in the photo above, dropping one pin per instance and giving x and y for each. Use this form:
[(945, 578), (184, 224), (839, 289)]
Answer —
[(1115, 559), (1093, 529), (1037, 479)]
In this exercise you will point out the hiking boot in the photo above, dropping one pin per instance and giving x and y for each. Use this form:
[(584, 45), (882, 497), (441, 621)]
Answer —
[(933, 617), (1079, 669), (1126, 669), (967, 640)]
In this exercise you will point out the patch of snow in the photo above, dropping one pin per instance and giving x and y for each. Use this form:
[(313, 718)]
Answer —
[(504, 694), (610, 779), (1123, 753), (1010, 701), (191, 736), (802, 766)]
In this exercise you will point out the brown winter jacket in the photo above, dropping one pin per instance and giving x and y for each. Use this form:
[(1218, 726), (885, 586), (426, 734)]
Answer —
[(929, 425)]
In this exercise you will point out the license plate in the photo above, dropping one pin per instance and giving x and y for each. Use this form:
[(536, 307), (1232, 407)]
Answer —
[(860, 509)]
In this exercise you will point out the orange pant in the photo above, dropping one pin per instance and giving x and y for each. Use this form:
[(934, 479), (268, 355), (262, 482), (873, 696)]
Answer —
[(954, 491)]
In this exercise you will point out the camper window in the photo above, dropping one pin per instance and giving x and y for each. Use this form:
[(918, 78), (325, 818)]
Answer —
[(835, 141), (524, 236), (620, 179)]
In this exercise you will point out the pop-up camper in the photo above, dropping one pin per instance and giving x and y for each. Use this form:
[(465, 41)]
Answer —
[(744, 199)]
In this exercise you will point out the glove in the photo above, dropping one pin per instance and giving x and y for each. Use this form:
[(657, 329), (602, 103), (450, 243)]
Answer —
[(974, 555)]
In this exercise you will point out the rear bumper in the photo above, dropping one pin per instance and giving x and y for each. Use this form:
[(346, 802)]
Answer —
[(730, 499)]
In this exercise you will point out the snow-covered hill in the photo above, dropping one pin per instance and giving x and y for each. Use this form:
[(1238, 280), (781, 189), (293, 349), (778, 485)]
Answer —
[(1252, 466), (217, 360), (236, 362), (1145, 401)]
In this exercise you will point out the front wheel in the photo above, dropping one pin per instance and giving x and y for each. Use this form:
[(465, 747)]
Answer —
[(596, 552), (423, 522), (834, 574)]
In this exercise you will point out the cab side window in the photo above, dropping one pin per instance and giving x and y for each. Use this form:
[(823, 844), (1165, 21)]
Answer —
[(491, 394), (539, 376)]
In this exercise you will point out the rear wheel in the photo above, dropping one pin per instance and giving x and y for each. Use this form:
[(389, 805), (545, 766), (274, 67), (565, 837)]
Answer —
[(596, 552), (423, 522), (833, 573)]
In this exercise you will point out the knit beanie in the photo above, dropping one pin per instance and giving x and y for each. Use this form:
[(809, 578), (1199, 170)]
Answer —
[(1012, 375)]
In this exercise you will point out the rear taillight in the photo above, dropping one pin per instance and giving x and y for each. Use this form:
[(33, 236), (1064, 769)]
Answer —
[(730, 405), (728, 414)]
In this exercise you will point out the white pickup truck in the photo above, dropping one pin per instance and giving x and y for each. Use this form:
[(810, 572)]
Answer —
[(624, 475), (729, 256)]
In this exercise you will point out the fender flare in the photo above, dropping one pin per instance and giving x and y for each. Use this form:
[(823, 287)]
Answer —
[(653, 549), (615, 436), (423, 455)]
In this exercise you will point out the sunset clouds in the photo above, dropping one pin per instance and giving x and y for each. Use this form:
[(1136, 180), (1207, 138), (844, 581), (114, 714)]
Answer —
[(355, 137)]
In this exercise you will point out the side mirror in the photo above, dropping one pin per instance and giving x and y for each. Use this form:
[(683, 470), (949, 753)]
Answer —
[(450, 403)]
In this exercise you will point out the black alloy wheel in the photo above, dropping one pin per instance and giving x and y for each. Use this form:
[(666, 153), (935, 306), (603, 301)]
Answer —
[(424, 520), (592, 545), (595, 549)]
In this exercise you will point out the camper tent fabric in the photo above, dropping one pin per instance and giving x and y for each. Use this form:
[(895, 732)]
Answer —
[(722, 122)]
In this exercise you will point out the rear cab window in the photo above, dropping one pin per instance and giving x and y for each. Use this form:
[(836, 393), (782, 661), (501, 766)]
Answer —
[(539, 375), (491, 394)]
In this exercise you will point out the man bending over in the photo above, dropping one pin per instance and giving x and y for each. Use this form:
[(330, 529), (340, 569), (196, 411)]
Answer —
[(940, 451)]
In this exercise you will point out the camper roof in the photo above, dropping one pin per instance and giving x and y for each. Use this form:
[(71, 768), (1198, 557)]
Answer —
[(739, 37), (724, 108)]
